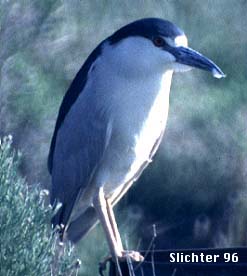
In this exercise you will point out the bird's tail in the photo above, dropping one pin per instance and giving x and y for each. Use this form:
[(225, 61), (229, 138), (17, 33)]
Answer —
[(82, 225), (57, 223)]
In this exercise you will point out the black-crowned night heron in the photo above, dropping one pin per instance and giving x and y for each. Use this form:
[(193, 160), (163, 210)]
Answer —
[(111, 122)]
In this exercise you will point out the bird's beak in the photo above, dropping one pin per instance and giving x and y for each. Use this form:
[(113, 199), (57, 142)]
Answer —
[(190, 57)]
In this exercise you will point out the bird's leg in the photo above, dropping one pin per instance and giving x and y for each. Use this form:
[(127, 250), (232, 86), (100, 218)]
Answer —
[(114, 224), (133, 255), (100, 206), (106, 216)]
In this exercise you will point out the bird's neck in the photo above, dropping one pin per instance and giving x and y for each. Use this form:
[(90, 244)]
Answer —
[(130, 97), (142, 102), (146, 93)]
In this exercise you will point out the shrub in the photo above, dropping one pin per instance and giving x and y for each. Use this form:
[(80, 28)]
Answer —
[(27, 244)]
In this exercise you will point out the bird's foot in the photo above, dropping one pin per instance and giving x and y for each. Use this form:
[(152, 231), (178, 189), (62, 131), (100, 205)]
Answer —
[(134, 256), (125, 255)]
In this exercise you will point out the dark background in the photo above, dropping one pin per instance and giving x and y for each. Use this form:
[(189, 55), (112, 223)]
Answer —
[(195, 189)]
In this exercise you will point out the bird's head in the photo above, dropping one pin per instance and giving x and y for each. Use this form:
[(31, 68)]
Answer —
[(153, 45)]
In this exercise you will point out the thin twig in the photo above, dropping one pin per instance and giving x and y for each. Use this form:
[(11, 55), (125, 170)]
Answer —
[(152, 258), (174, 272), (150, 245), (118, 266), (129, 261), (130, 266)]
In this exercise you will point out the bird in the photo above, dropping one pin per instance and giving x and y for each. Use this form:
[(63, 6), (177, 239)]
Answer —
[(111, 122)]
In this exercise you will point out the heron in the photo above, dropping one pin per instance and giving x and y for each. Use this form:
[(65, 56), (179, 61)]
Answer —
[(111, 122)]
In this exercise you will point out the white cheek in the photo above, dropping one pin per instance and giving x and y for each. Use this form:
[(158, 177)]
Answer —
[(137, 56)]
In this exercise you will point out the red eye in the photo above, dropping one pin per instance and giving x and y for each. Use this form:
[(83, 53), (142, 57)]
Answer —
[(158, 41)]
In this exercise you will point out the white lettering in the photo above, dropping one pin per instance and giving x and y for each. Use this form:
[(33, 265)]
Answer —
[(193, 258), (172, 258)]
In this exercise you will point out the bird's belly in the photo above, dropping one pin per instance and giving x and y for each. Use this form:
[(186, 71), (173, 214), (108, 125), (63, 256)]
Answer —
[(132, 144)]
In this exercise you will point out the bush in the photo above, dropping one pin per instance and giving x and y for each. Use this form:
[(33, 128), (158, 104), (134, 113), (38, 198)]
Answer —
[(28, 246)]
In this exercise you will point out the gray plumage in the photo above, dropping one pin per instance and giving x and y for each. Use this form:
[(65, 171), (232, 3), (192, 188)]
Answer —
[(112, 120)]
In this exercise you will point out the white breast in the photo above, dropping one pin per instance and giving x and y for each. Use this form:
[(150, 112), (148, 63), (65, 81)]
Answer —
[(135, 96), (153, 124), (139, 109)]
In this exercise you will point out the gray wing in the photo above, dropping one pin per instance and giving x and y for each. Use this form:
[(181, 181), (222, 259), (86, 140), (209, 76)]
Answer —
[(77, 143), (80, 145), (76, 88)]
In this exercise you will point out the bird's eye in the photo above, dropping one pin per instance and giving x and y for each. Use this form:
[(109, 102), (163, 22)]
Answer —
[(158, 41)]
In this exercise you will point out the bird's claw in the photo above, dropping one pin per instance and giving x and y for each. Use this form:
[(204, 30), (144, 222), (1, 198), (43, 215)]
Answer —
[(132, 255)]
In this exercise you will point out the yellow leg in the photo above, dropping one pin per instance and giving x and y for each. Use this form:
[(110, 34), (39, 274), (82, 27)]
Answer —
[(114, 224), (100, 206), (106, 216)]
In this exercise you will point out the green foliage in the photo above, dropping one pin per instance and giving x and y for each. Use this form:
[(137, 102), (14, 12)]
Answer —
[(28, 246)]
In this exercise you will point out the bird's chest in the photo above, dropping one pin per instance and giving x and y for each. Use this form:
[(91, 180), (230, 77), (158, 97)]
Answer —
[(139, 122), (141, 112), (146, 132)]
